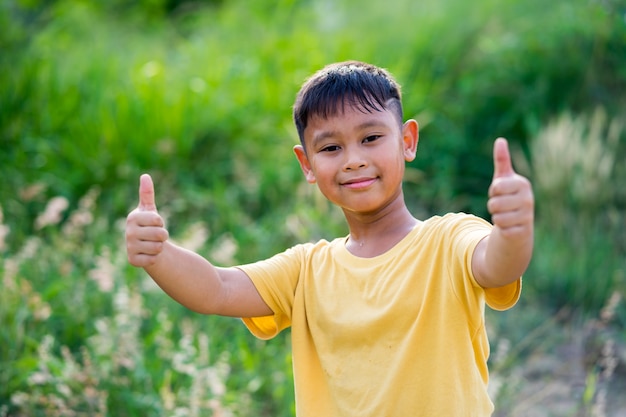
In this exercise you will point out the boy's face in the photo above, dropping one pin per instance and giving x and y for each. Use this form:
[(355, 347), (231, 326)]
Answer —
[(358, 158)]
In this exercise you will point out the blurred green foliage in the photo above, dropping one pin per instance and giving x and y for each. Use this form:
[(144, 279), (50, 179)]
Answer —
[(199, 94), (95, 93)]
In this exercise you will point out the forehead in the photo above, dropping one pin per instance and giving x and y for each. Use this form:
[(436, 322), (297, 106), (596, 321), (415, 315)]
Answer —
[(349, 119)]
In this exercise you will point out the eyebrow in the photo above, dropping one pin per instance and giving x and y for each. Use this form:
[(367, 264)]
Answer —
[(330, 133), (321, 136)]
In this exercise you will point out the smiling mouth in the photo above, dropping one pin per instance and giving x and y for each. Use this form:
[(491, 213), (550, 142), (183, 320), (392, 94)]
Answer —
[(359, 183)]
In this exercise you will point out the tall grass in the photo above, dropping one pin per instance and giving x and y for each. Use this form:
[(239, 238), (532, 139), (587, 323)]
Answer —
[(580, 240), (102, 339)]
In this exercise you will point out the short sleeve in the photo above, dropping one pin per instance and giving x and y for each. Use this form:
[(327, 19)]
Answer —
[(500, 298), (468, 232), (503, 298), (276, 280)]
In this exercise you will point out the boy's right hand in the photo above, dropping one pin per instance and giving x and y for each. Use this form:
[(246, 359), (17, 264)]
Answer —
[(145, 229)]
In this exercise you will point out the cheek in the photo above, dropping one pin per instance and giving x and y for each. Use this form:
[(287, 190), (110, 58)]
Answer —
[(394, 168), (322, 168), (395, 162)]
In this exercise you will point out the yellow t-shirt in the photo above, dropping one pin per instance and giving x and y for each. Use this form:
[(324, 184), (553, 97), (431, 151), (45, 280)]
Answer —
[(400, 334)]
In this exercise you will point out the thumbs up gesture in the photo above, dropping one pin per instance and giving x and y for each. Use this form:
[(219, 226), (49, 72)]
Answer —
[(511, 202), (145, 229)]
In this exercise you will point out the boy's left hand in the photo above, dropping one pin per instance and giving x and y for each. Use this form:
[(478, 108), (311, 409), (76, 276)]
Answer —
[(511, 202)]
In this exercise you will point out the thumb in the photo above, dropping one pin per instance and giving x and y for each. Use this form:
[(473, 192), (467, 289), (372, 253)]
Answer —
[(502, 166), (146, 194)]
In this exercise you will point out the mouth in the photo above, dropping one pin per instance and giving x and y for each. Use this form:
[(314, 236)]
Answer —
[(359, 183)]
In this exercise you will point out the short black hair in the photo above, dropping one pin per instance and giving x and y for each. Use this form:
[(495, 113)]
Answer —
[(363, 85)]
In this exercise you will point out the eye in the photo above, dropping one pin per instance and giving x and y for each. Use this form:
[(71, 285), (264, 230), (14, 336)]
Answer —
[(371, 138), (330, 148)]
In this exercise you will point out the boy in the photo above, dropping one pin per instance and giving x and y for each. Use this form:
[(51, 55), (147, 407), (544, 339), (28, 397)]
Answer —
[(387, 321)]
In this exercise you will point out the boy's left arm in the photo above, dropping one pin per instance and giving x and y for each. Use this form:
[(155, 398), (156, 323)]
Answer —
[(503, 256)]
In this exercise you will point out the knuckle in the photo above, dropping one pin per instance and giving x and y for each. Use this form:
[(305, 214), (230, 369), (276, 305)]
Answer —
[(130, 234), (156, 219), (159, 235), (134, 260)]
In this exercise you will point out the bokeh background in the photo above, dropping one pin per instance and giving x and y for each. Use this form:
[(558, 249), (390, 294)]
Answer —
[(199, 94)]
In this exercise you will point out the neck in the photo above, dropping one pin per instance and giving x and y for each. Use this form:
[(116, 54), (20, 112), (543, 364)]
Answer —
[(372, 234)]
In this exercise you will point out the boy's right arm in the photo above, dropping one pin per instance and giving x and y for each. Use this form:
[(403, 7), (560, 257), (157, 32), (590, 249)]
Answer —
[(184, 275)]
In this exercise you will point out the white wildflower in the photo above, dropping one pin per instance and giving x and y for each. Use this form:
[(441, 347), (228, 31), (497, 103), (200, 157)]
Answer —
[(52, 213)]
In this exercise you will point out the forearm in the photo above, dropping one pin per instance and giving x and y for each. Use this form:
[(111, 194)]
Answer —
[(187, 277), (184, 275), (505, 259)]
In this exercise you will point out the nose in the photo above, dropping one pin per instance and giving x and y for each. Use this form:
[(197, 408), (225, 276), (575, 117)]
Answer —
[(354, 159)]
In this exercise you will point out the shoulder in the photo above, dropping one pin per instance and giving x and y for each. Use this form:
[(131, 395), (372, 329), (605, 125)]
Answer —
[(454, 218), (320, 246), (455, 224), (303, 251)]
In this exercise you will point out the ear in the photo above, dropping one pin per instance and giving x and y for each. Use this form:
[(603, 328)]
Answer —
[(410, 138), (304, 163)]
